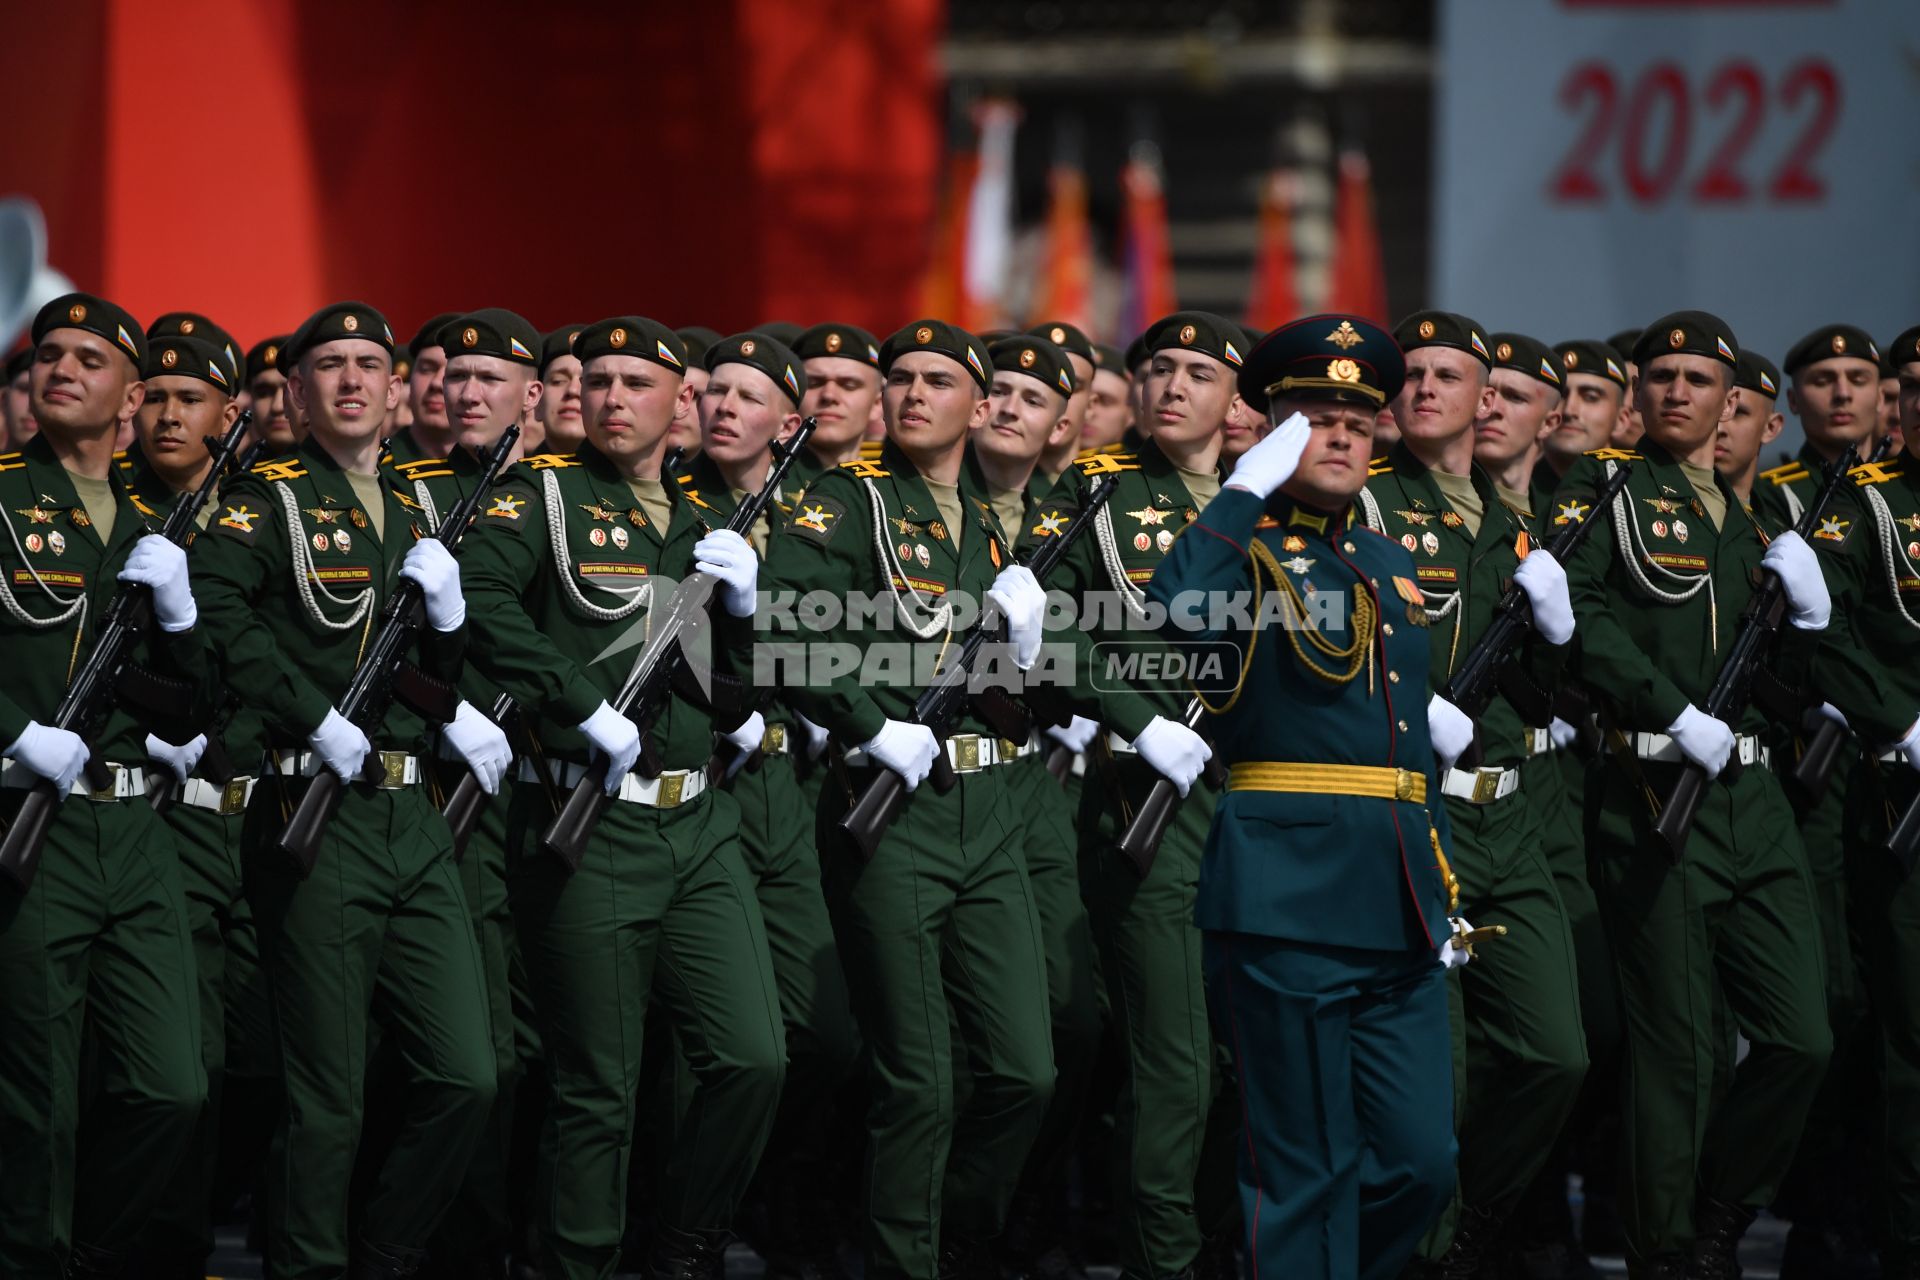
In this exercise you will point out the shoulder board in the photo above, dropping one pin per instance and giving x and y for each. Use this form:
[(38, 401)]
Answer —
[(864, 469), (278, 469), (12, 461), (1112, 446), (1379, 466), (1785, 473), (548, 461), (784, 508), (406, 502), (1613, 455), (421, 468), (141, 506), (1874, 473), (1096, 463), (870, 450)]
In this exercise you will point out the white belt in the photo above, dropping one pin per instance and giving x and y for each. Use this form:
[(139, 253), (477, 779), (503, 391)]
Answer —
[(966, 752), (673, 788), (1892, 755), (1480, 786), (125, 783), (225, 801), (1010, 750), (1539, 742), (1660, 749), (398, 769)]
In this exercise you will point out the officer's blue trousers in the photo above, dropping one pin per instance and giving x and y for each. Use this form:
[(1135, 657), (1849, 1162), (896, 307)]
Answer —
[(1346, 1079)]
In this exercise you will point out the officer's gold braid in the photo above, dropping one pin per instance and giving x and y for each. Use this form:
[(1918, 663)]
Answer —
[(1359, 653)]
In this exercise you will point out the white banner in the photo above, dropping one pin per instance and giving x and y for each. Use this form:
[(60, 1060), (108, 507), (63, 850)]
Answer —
[(1601, 162)]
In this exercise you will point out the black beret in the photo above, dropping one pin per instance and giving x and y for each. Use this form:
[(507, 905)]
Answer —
[(781, 331), (757, 351), (849, 342), (991, 336), (1325, 357), (429, 334), (265, 355), (1137, 353), (633, 336), (174, 356), (96, 316), (491, 331), (1443, 329), (1905, 349), (329, 324), (1069, 338), (1830, 342), (949, 340), (1688, 333), (1756, 373), (402, 363), (1518, 352), (1583, 355), (191, 324), (1106, 357), (698, 338), (1201, 331), (19, 362), (1036, 357), (1623, 343), (558, 343)]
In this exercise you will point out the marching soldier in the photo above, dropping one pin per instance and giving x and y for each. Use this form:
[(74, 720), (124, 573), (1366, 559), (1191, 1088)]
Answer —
[(684, 433), (273, 421), (1080, 357), (1627, 430), (842, 397), (295, 569), (1751, 427), (1736, 918), (1323, 895), (1109, 402), (1529, 397), (1596, 389), (427, 433), (560, 402), (561, 563), (16, 401), (101, 937), (1833, 387), (191, 324), (1517, 1011), (938, 934)]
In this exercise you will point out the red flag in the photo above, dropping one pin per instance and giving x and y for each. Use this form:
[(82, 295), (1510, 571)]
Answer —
[(1359, 284), (1147, 258), (1069, 267), (1273, 301), (941, 290)]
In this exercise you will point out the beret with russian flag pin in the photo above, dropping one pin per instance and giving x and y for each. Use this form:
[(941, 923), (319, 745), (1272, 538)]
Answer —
[(97, 316), (174, 355), (1444, 329), (1201, 331), (1534, 358), (492, 331), (1688, 333)]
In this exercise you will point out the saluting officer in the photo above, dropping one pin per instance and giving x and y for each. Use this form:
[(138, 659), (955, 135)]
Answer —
[(102, 936), (296, 567), (1324, 890)]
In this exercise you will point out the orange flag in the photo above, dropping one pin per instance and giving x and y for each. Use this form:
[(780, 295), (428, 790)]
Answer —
[(1273, 301), (941, 290), (1359, 284), (1069, 264), (1147, 258)]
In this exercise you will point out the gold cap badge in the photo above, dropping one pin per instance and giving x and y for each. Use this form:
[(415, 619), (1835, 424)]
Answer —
[(618, 338), (1058, 334), (169, 358), (351, 324), (923, 335), (746, 348), (1026, 358), (186, 327), (833, 342), (1677, 338), (1503, 352), (76, 313), (1426, 329), (1839, 344), (469, 336), (1187, 333)]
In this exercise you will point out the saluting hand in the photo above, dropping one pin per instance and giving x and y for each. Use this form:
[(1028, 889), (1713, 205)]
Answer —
[(1271, 461)]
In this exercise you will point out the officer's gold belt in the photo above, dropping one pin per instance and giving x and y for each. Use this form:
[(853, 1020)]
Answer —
[(1328, 780)]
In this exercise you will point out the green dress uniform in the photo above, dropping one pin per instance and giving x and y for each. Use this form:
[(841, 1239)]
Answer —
[(561, 572), (102, 937), (1658, 594), (1517, 1023), (1323, 893), (206, 817), (1869, 545), (939, 931), (293, 572)]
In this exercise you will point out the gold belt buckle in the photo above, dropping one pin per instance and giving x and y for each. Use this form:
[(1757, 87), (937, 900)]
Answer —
[(393, 766), (1403, 784), (111, 790), (233, 797), (1009, 748), (966, 752), (1486, 785), (671, 785), (774, 741)]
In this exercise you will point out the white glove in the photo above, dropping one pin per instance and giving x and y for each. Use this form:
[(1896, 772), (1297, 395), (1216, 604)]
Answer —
[(1023, 603), (156, 563), (1702, 739), (482, 744), (747, 740), (1271, 461), (1076, 736), (1449, 729), (1563, 734), (183, 760), (1909, 746), (731, 558), (615, 737), (1453, 952), (432, 566), (56, 754), (1545, 583), (340, 745), (907, 749), (816, 736), (1176, 752), (1793, 561)]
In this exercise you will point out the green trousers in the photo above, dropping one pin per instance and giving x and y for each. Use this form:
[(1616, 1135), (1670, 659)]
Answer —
[(662, 903), (1886, 915), (379, 932), (940, 930), (1347, 1152), (235, 1029), (1170, 1139), (1735, 921), (101, 937)]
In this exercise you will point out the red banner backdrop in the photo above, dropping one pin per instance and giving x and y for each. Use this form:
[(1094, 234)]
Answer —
[(717, 163)]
